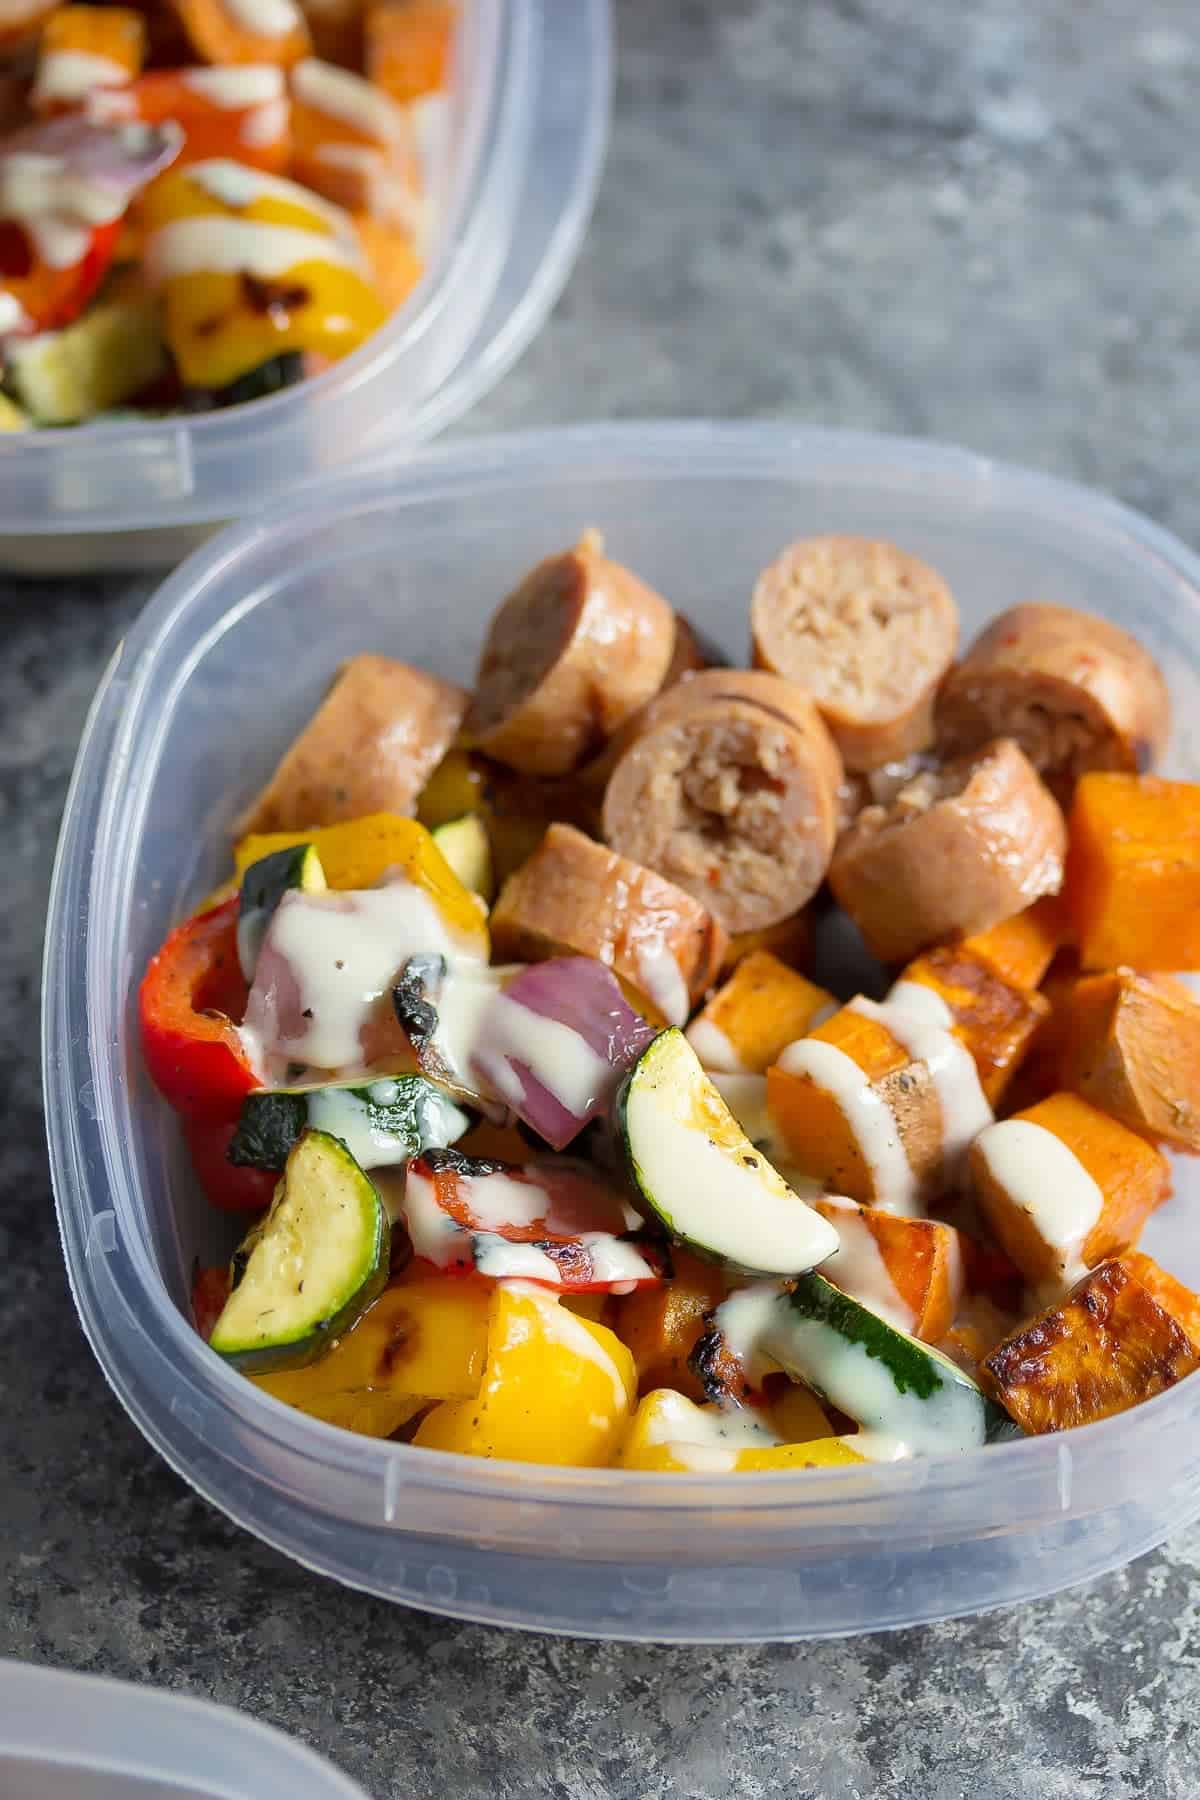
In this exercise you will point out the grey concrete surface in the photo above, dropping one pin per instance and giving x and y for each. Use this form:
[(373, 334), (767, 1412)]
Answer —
[(973, 222)]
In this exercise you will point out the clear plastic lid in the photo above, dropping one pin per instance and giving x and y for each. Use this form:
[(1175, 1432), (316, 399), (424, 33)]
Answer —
[(82, 1737), (528, 112), (220, 670)]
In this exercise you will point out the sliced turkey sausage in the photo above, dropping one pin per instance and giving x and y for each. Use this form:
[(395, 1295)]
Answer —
[(571, 653), (731, 791), (1074, 691), (574, 895), (959, 849), (370, 747), (868, 631)]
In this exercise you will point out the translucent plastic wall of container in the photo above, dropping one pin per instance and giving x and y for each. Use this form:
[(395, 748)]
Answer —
[(227, 662), (529, 109), (78, 1737)]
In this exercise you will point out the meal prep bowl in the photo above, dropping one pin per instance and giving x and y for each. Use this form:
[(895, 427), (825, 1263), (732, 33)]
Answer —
[(220, 671), (528, 122), (81, 1737)]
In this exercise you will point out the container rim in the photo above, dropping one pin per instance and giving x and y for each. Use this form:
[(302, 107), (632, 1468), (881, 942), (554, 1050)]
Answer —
[(384, 1487)]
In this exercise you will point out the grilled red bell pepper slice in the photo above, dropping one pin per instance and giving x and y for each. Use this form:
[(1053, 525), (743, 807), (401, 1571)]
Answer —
[(229, 1186), (191, 994), (210, 1291), (52, 298)]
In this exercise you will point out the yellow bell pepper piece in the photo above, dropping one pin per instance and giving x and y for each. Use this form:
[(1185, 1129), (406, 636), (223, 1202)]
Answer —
[(557, 1388), (797, 1416), (458, 785), (670, 1433), (422, 1340), (359, 852), (222, 323)]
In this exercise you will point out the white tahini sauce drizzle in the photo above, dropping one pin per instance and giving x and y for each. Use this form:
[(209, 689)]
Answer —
[(878, 1446), (743, 1321), (714, 1049), (341, 1113), (875, 1131), (265, 18), (224, 246), (503, 1261), (571, 1334), (674, 1419), (858, 1268), (326, 960), (951, 1418), (237, 185), (264, 124), (923, 1001), (661, 980), (1043, 1176), (72, 75), (341, 95), (235, 87), (964, 1110), (562, 1060), (13, 316)]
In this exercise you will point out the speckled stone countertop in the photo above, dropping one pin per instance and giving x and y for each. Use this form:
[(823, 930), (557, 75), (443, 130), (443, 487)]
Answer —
[(972, 222)]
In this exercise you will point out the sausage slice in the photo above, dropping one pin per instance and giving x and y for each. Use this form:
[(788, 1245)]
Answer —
[(868, 631), (571, 653), (1074, 691), (370, 747), (958, 850), (731, 792), (574, 895)]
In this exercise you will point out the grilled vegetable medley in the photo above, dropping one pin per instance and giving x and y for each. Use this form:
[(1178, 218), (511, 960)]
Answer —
[(204, 201), (509, 1038)]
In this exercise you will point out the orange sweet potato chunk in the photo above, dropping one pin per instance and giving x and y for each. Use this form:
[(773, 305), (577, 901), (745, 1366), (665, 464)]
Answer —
[(820, 1137), (661, 1325), (761, 1009), (1022, 948), (1103, 1348), (217, 35), (1133, 1049), (920, 1257), (995, 1018), (1132, 1176), (1133, 872)]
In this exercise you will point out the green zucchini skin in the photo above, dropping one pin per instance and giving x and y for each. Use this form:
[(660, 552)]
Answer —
[(919, 1375), (307, 1272), (382, 1122), (263, 886)]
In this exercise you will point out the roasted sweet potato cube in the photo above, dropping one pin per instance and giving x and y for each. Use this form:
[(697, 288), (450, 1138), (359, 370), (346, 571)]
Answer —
[(995, 1019), (661, 1325), (1133, 872), (1022, 948), (825, 1127), (908, 1270), (791, 940), (218, 33), (1063, 1186), (1133, 1049), (409, 46), (759, 1011), (1103, 1348), (1182, 1304)]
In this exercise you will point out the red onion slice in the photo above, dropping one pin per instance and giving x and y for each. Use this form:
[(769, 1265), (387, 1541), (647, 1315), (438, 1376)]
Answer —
[(555, 1043)]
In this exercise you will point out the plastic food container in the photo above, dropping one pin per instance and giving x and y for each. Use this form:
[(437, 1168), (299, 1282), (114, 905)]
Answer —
[(528, 121), (220, 670), (80, 1737)]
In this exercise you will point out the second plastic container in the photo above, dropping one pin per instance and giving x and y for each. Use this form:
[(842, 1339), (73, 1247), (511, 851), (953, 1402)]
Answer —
[(215, 677), (528, 109)]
